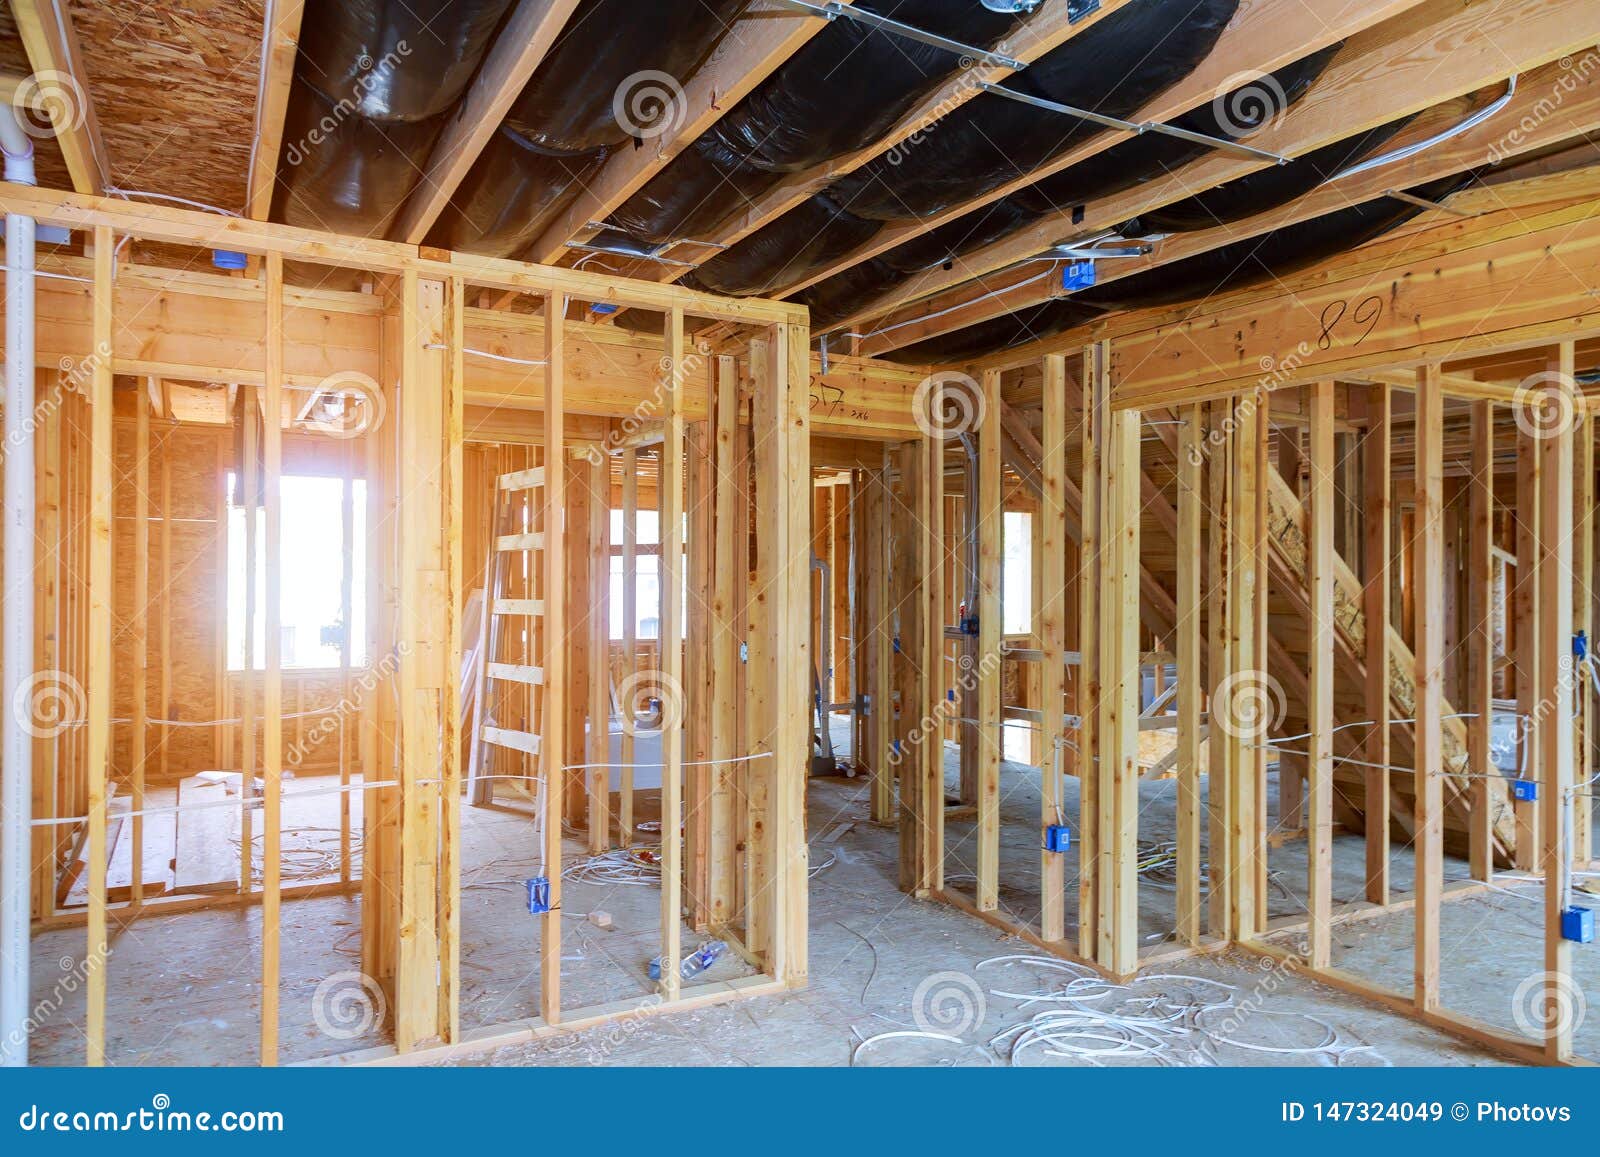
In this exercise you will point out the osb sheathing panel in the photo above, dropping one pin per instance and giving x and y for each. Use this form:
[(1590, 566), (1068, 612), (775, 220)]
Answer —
[(191, 586), (174, 88)]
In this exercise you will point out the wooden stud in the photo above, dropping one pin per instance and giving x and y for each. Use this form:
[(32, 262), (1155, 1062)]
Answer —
[(990, 523), (722, 692), (630, 635), (1429, 726), (597, 751), (139, 737), (272, 687), (669, 489), (1096, 389), (1190, 563), (1052, 641), (98, 731), (1319, 584), (1479, 699), (1219, 647), (554, 620), (1554, 715), (1525, 608), (1375, 604)]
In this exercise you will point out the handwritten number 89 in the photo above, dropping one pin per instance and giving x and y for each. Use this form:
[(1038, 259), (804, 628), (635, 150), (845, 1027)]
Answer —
[(1366, 314)]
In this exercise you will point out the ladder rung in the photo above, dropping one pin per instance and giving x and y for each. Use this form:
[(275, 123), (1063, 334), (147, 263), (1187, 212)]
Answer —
[(534, 540), (522, 479), (515, 740), (517, 673), (519, 606)]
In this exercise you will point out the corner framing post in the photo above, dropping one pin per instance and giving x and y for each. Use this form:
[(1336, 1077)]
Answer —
[(1319, 582), (1052, 641), (1190, 560), (99, 641), (1480, 637), (552, 744), (990, 522), (669, 494), (1429, 726), (1376, 550), (1554, 714)]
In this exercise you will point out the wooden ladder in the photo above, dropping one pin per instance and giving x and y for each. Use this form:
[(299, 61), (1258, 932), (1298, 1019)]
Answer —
[(513, 637)]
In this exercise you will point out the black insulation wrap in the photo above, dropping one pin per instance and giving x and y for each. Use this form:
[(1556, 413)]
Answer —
[(395, 60), (845, 88), (343, 172), (373, 84), (1134, 162), (564, 123), (980, 146), (1112, 68), (1239, 263)]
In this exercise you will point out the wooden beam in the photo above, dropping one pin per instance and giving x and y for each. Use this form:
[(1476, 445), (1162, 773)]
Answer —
[(1319, 585), (1095, 408), (597, 751), (520, 46), (1429, 727), (62, 84), (1052, 641), (761, 41), (280, 46)]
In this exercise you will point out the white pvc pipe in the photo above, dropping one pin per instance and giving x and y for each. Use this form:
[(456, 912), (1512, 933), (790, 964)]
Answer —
[(16, 620)]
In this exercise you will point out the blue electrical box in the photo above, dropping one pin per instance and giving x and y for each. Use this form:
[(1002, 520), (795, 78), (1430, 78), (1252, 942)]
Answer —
[(602, 307), (1057, 838), (538, 895), (1577, 925), (1527, 790), (229, 259), (1077, 275)]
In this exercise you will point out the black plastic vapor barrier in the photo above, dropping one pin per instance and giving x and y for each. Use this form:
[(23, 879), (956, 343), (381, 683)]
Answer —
[(1124, 166), (614, 55), (845, 88), (1227, 267), (373, 83), (1114, 67)]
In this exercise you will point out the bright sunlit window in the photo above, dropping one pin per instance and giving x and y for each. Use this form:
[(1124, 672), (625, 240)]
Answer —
[(311, 573), (1016, 573), (647, 605)]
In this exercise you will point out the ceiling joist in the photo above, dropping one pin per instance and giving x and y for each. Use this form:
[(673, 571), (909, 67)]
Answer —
[(58, 73)]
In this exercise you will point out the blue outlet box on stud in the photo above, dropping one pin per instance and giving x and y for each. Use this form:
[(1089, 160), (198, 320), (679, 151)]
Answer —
[(1057, 838), (538, 895), (1527, 790), (1577, 925), (1077, 275)]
